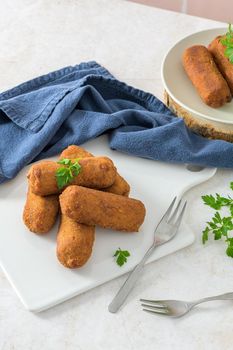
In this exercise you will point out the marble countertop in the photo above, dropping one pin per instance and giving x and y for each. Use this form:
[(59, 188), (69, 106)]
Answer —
[(130, 40)]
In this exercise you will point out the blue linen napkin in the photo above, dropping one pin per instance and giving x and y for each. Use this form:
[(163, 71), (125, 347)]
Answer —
[(41, 117)]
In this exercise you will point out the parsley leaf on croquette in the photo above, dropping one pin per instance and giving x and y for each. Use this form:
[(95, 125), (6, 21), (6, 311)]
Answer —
[(228, 42), (66, 173)]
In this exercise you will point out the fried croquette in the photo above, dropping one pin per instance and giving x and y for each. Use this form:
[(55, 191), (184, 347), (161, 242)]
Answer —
[(217, 49), (108, 210), (205, 76), (120, 185), (40, 213), (74, 152), (96, 172), (74, 242)]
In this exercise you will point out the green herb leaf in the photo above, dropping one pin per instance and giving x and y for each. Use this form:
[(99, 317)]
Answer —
[(75, 168), (218, 217), (65, 161), (228, 43), (66, 173), (217, 234), (217, 202), (229, 251), (220, 226), (205, 234), (230, 241), (121, 256), (211, 201)]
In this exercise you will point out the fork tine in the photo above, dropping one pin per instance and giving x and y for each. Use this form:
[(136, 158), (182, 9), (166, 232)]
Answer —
[(174, 214), (169, 210), (157, 311), (159, 306), (179, 219), (157, 303)]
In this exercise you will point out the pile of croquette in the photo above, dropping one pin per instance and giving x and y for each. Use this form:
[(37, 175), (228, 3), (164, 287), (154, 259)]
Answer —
[(210, 71), (96, 196)]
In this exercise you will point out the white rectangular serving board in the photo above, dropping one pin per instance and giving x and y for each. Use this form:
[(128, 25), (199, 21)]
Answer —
[(30, 262)]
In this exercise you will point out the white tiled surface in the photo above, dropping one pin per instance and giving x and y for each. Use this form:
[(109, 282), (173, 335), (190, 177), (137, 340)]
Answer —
[(130, 40)]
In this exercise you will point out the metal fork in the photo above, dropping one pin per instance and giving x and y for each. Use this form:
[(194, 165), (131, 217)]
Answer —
[(178, 308), (164, 232)]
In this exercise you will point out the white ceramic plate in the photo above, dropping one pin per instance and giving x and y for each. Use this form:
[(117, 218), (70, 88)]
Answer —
[(30, 261), (180, 88)]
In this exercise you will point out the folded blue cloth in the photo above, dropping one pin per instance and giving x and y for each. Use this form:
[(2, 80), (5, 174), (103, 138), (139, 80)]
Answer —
[(41, 117)]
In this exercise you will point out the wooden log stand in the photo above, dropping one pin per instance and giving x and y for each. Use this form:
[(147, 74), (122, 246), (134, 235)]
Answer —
[(209, 129)]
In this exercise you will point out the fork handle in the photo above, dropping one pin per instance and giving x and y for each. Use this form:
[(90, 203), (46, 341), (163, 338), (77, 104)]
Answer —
[(126, 288), (226, 296), (130, 282)]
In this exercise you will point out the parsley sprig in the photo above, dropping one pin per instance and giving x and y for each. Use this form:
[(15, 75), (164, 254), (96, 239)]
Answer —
[(219, 226), (66, 173), (228, 42), (122, 256)]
